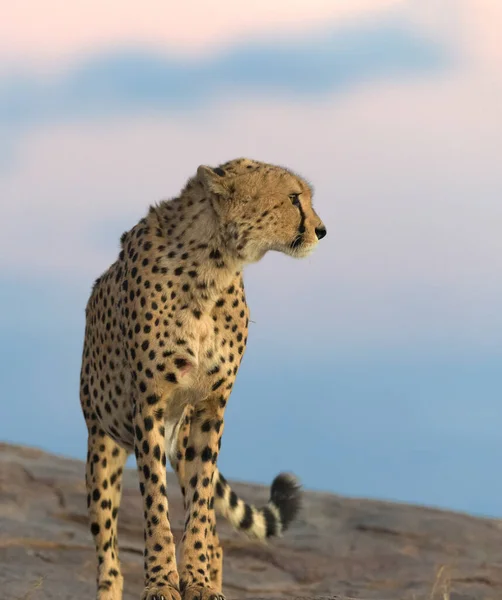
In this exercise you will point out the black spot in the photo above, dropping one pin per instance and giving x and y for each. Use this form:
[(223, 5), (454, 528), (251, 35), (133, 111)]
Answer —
[(218, 384), (219, 490), (94, 529), (247, 519), (206, 454), (181, 362), (270, 521)]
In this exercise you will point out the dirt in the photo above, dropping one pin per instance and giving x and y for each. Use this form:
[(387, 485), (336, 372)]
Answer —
[(338, 548)]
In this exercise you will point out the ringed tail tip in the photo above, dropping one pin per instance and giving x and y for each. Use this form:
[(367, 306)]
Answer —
[(285, 494)]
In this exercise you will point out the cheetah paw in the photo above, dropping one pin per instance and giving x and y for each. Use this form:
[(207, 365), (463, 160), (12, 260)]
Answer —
[(160, 593), (197, 592)]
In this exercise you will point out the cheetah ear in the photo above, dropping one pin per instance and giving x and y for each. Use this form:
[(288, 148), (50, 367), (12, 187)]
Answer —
[(213, 180)]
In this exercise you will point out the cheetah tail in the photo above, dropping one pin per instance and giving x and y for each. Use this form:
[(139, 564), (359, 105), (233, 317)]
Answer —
[(265, 522)]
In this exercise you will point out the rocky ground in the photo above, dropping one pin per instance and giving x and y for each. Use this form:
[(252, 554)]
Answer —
[(339, 547)]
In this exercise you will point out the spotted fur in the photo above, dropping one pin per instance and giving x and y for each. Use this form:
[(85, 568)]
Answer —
[(166, 328)]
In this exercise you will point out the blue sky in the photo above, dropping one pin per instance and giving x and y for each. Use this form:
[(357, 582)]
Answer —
[(388, 384)]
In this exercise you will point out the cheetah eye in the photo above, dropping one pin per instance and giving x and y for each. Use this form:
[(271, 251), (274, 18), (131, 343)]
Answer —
[(295, 199)]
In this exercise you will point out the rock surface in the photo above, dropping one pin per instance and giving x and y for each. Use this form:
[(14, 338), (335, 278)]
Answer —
[(338, 548)]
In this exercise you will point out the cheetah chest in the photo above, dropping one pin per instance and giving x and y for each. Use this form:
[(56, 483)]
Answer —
[(217, 358)]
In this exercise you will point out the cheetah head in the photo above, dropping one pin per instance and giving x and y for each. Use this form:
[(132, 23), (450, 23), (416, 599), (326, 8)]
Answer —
[(262, 207)]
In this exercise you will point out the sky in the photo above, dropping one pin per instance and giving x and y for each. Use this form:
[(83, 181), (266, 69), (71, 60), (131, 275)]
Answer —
[(373, 367)]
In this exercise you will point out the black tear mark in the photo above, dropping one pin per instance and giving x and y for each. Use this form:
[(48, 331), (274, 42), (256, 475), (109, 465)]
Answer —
[(301, 227)]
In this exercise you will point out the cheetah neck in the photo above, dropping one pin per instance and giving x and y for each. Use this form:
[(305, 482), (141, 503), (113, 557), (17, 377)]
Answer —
[(196, 249)]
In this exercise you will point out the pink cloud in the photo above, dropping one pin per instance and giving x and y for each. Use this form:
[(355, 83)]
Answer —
[(57, 31)]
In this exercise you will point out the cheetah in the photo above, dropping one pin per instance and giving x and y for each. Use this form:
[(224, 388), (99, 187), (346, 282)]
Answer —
[(165, 332)]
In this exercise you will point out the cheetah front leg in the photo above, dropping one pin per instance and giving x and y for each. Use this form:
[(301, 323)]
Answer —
[(178, 463), (200, 567), (215, 552), (105, 462), (161, 575)]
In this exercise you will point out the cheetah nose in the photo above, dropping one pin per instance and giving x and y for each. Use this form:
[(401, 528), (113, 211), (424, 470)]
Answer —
[(320, 232)]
